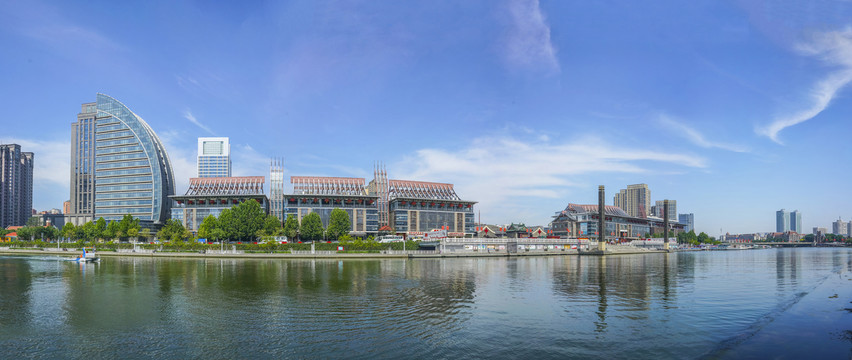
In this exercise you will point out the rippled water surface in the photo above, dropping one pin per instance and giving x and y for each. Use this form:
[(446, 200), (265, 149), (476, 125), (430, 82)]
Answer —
[(779, 303)]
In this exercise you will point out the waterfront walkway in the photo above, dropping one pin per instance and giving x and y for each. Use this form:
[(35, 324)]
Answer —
[(398, 254)]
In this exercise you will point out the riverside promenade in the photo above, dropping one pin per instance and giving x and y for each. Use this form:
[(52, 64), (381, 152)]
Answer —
[(393, 254)]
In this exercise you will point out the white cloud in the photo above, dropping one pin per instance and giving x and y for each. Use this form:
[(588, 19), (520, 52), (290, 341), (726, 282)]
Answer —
[(834, 48), (248, 162), (500, 171), (183, 159), (188, 115), (696, 137), (528, 43)]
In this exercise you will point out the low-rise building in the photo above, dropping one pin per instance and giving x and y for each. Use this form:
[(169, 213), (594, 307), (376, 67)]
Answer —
[(322, 194), (582, 221), (212, 195)]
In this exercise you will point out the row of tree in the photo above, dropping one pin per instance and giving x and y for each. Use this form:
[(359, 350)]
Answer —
[(312, 228), (243, 222), (128, 227)]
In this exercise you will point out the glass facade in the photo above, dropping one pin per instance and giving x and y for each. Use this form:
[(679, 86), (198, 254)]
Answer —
[(362, 211), (414, 216), (133, 174)]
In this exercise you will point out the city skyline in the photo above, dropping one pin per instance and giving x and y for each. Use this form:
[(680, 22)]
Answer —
[(524, 106)]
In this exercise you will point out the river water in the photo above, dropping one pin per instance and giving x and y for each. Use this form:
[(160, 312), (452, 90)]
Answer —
[(775, 303)]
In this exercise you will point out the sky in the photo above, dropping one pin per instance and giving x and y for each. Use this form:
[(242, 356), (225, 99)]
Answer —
[(735, 109)]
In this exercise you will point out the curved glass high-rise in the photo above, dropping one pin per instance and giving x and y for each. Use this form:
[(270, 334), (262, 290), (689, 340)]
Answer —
[(133, 174)]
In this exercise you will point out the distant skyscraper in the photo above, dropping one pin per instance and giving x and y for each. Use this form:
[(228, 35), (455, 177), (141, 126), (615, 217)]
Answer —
[(658, 209), (782, 221), (214, 157), (118, 165), (688, 220), (82, 205), (16, 185), (635, 200), (839, 227), (796, 222)]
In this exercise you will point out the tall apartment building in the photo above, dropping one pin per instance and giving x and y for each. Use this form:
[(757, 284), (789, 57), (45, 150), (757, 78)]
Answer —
[(16, 185), (118, 166), (214, 157), (635, 200), (82, 202), (796, 222), (782, 221), (839, 227), (657, 209), (688, 220)]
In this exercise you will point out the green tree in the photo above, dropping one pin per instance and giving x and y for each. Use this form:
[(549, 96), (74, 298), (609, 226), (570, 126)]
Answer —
[(272, 226), (111, 231), (312, 227), (702, 237), (87, 232), (145, 234), (248, 217), (338, 224), (51, 233), (227, 224), (69, 230), (32, 221), (208, 225), (100, 228), (26, 233), (133, 233), (291, 227)]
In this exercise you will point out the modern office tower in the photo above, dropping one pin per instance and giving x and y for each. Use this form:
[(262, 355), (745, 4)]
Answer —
[(276, 188), (782, 221), (132, 172), (82, 208), (658, 209), (214, 157), (635, 200), (796, 222), (16, 185), (839, 227), (688, 220)]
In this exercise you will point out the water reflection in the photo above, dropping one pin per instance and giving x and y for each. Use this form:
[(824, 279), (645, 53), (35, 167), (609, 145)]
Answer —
[(15, 285), (649, 306)]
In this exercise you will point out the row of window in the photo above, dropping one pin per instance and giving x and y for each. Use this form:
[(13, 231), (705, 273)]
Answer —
[(117, 126), (125, 179), (99, 211), (101, 144), (134, 156), (121, 164), (113, 135), (123, 202), (119, 149), (123, 195), (144, 170), (142, 186)]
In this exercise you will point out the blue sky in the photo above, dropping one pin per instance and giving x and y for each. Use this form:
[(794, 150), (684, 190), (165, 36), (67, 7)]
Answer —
[(734, 109)]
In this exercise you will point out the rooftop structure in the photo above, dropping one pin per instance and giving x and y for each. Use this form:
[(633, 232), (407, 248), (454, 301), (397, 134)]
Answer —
[(211, 196), (323, 185)]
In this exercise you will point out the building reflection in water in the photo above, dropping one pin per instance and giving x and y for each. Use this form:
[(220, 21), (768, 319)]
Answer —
[(15, 285)]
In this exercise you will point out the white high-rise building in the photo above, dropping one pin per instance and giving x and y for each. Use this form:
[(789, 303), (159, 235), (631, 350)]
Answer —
[(214, 157), (635, 200)]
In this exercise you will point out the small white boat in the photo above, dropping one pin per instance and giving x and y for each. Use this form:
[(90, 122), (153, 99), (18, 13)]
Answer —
[(88, 255)]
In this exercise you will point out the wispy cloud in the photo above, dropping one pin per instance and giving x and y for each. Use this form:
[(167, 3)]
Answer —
[(694, 136), (834, 48), (188, 115), (498, 170), (528, 42)]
